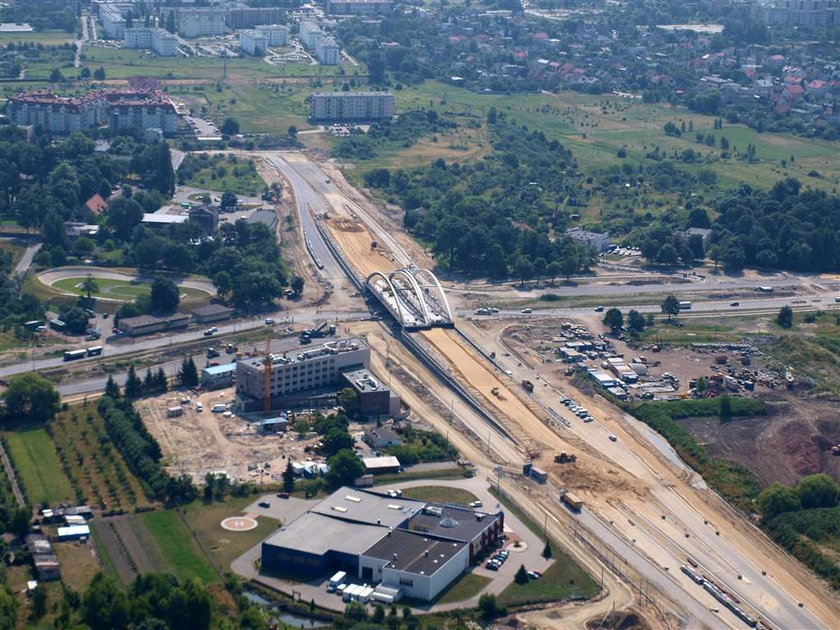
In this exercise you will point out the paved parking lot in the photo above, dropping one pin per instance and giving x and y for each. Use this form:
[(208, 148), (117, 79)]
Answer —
[(284, 510)]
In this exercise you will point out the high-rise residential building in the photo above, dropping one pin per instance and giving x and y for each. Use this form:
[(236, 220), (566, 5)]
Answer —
[(359, 7), (807, 13), (158, 40), (351, 106), (199, 21), (310, 33), (276, 34), (327, 51), (113, 22), (249, 17), (253, 42)]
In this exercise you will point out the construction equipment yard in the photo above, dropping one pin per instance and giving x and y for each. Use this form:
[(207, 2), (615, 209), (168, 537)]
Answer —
[(645, 513)]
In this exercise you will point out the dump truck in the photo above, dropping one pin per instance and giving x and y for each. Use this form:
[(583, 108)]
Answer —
[(571, 501), (528, 386)]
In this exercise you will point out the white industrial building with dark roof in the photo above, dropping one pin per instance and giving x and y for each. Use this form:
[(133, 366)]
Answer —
[(416, 546)]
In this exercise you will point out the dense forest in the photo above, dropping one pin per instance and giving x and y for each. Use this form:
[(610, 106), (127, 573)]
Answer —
[(499, 215)]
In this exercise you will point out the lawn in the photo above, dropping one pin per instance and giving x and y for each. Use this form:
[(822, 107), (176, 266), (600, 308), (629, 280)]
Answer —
[(176, 544), (440, 494), (222, 173), (46, 38), (78, 564), (562, 580), (225, 546), (38, 467), (468, 586), (109, 289)]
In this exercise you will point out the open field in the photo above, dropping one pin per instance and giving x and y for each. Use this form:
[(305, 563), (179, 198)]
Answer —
[(47, 38), (440, 494), (118, 290), (38, 466), (224, 546), (221, 173), (176, 544), (97, 471), (78, 564)]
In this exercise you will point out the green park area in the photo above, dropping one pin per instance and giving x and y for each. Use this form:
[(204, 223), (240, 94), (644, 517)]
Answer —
[(45, 38), (223, 173), (119, 290), (440, 494)]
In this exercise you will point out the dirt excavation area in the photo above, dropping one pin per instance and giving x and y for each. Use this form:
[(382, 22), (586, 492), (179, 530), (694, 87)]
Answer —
[(199, 442)]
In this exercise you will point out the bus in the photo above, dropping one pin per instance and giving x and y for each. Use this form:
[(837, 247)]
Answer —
[(95, 351), (685, 306), (72, 355)]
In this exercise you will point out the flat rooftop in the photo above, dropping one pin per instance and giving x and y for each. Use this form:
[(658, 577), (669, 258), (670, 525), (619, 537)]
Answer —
[(415, 553), (454, 522), (298, 354), (318, 534), (364, 381), (363, 507)]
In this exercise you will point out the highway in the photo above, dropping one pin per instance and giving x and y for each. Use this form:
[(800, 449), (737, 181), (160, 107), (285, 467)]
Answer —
[(125, 346)]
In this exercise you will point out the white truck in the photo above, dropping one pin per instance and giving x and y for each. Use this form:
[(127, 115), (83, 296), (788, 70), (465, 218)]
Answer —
[(335, 580)]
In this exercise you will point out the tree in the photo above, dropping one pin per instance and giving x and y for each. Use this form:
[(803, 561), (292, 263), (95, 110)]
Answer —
[(785, 317), (489, 607), (376, 68), (76, 320), (123, 216), (99, 74), (85, 73), (228, 202), (230, 127), (90, 285), (56, 76), (635, 321), (223, 282), (30, 398), (670, 306), (302, 427), (188, 374), (614, 320), (297, 285), (133, 384), (777, 499), (292, 132), (817, 491), (348, 399), (165, 296), (335, 441), (345, 468), (725, 409), (523, 269), (289, 477), (112, 390), (547, 550), (521, 576)]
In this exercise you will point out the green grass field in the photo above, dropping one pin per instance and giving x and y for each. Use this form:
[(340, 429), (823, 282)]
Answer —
[(47, 38), (467, 586), (177, 545), (38, 467), (123, 290), (226, 175), (440, 494), (562, 580)]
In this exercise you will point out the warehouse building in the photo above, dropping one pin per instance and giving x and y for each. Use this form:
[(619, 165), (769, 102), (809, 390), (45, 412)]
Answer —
[(416, 546), (351, 106), (158, 40)]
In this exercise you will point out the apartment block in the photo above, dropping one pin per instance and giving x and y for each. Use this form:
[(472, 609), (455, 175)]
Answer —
[(199, 22), (113, 22), (359, 7), (158, 40), (327, 51), (253, 42), (310, 34), (351, 106), (249, 17), (276, 34)]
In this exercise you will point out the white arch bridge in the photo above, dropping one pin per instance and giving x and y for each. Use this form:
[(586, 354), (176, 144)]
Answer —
[(413, 296)]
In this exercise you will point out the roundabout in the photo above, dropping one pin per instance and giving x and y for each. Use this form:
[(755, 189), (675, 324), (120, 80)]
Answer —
[(117, 286), (239, 524)]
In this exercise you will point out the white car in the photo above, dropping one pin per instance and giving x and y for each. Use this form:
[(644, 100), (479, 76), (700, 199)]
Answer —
[(526, 311)]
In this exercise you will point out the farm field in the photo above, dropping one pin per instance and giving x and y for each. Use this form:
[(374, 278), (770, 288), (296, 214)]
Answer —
[(150, 542), (38, 466), (96, 469)]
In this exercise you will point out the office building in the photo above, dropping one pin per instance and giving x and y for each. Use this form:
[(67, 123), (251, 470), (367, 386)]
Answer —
[(416, 547), (300, 370), (249, 17), (158, 40), (253, 42), (359, 7), (351, 106)]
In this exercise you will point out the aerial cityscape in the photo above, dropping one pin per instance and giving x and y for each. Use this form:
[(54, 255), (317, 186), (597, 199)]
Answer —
[(372, 314)]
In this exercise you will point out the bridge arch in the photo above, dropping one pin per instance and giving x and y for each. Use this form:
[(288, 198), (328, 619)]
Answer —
[(415, 288), (420, 274)]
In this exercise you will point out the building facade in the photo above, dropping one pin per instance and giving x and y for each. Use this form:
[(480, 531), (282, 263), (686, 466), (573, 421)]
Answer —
[(200, 22), (351, 106), (113, 22), (158, 40), (318, 367), (327, 51), (249, 17), (276, 34), (119, 109), (598, 240), (253, 42), (359, 7), (310, 33)]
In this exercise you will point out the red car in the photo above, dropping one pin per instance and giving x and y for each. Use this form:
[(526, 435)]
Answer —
[(283, 495)]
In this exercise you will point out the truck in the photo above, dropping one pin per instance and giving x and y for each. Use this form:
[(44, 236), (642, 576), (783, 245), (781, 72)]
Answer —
[(538, 474), (528, 386), (339, 578), (571, 501), (685, 306), (323, 330)]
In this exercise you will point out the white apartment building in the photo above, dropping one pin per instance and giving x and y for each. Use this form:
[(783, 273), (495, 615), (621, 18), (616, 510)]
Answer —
[(198, 22), (253, 42), (351, 106), (327, 51), (359, 7), (299, 371), (276, 34), (158, 40), (310, 34), (113, 22)]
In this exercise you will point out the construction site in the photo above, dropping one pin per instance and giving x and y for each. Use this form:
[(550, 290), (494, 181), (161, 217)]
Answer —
[(641, 512)]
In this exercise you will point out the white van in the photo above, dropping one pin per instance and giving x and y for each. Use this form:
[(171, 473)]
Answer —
[(219, 408), (199, 406)]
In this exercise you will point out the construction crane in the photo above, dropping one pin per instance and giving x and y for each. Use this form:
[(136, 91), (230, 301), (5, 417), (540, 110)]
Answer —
[(267, 376)]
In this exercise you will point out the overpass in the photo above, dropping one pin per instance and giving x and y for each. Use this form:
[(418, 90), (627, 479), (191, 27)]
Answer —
[(414, 297)]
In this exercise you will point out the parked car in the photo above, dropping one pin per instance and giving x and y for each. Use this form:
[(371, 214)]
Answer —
[(282, 495), (599, 309), (734, 304), (613, 438), (264, 504), (476, 504), (493, 566)]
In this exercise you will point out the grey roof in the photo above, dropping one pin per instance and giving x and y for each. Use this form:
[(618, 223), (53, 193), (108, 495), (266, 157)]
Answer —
[(148, 320), (318, 534), (415, 553), (266, 217), (366, 507), (455, 522), (211, 309)]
